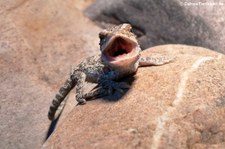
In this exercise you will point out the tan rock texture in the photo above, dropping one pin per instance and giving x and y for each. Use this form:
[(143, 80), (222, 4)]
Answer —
[(39, 42), (178, 105)]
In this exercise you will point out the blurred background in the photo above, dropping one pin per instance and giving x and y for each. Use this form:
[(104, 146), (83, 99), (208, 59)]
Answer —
[(40, 40), (156, 22)]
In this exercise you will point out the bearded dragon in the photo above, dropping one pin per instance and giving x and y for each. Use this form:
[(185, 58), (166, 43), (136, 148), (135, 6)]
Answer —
[(120, 57)]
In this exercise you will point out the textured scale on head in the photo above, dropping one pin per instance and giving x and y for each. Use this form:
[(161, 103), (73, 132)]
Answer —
[(119, 47)]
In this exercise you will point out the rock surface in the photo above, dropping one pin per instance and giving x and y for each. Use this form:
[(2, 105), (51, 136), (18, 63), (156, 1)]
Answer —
[(178, 105), (165, 22), (39, 42)]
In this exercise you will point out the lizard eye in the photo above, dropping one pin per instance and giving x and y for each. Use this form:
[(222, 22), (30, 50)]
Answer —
[(131, 30), (101, 36)]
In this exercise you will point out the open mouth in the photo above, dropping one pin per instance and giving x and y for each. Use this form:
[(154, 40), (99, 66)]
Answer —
[(119, 48)]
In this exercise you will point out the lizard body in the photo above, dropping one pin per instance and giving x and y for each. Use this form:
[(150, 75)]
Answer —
[(120, 56)]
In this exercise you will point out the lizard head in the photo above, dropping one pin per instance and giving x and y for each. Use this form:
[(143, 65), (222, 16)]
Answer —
[(119, 47)]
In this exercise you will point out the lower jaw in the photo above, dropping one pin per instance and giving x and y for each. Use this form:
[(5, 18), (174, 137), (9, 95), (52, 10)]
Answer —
[(118, 58), (122, 58)]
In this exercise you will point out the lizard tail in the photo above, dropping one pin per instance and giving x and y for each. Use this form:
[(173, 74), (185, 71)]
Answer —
[(63, 92)]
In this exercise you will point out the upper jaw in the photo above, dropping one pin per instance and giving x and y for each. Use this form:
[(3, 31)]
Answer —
[(119, 48)]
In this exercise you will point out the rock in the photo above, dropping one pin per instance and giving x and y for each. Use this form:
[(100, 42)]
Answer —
[(39, 42), (178, 105), (82, 4), (166, 22)]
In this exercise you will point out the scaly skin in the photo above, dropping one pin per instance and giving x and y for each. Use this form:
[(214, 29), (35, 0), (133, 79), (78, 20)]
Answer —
[(120, 56)]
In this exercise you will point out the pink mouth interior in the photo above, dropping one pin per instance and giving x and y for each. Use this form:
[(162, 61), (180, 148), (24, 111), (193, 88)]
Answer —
[(119, 48)]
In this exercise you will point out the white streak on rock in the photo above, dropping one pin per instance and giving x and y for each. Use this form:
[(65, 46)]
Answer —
[(184, 77), (166, 116)]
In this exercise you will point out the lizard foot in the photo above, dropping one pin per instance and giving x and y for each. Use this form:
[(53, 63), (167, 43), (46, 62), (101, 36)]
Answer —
[(112, 86), (81, 100), (102, 90), (96, 93)]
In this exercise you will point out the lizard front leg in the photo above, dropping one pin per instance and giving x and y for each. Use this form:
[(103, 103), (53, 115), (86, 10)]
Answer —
[(106, 86), (155, 61), (106, 89), (96, 93), (107, 81), (80, 77)]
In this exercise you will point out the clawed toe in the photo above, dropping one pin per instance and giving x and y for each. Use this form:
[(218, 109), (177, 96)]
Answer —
[(81, 101)]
